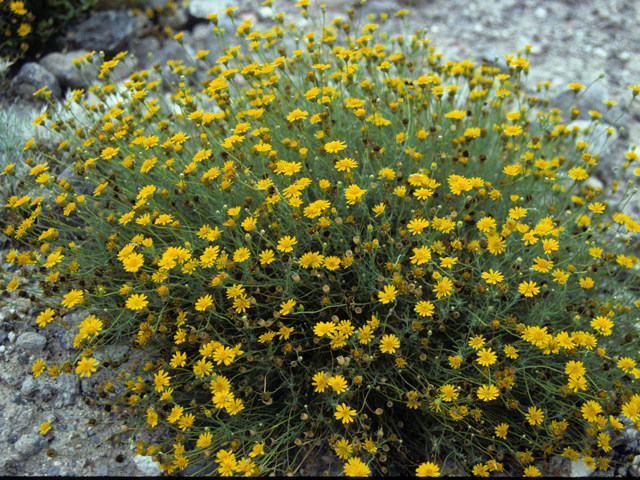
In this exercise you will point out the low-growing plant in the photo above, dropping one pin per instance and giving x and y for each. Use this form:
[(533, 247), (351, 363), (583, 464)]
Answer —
[(350, 243)]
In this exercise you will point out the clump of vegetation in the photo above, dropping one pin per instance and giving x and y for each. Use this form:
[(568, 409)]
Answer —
[(27, 26), (350, 243)]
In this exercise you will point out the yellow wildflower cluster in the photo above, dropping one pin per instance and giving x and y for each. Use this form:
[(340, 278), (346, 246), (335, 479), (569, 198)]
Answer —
[(353, 243)]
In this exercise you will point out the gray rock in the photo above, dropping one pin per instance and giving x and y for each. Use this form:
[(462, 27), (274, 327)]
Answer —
[(147, 466), (201, 8), (68, 75), (599, 142), (605, 473), (107, 31), (9, 379), (47, 393), (29, 445), (540, 13), (205, 39), (66, 339), (589, 100), (103, 471), (3, 335), (489, 56), (29, 386), (31, 78), (155, 3), (579, 469), (265, 13), (68, 387), (178, 20), (85, 386), (172, 50), (384, 6), (141, 49), (111, 352), (31, 341)]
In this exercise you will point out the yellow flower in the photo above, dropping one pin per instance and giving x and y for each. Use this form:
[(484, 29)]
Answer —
[(286, 244), (338, 383), (449, 393), (590, 409), (531, 471), (477, 342), (448, 262), (389, 294), (335, 146), (424, 308), (428, 469), (343, 448), (510, 351), (486, 357), (258, 449), (492, 277), (266, 257), (178, 360), (456, 114), (297, 114), (389, 343), (345, 413), (356, 468), (528, 289), (44, 428), (72, 298), (203, 303), (480, 470), (455, 362), (472, 132), (587, 283), (204, 440), (176, 413), (45, 317), (137, 302), (38, 367), (501, 430), (353, 194), (421, 255), (578, 173), (24, 29), (324, 328), (345, 164), (86, 366), (319, 382), (535, 416), (487, 393), (443, 288), (626, 364)]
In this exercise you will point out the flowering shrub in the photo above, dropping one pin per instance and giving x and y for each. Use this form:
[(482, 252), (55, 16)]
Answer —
[(352, 243)]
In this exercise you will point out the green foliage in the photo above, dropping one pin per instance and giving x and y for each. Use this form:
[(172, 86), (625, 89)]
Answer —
[(354, 244)]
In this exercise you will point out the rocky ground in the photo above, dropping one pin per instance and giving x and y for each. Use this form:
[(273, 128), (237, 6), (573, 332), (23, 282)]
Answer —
[(571, 41)]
